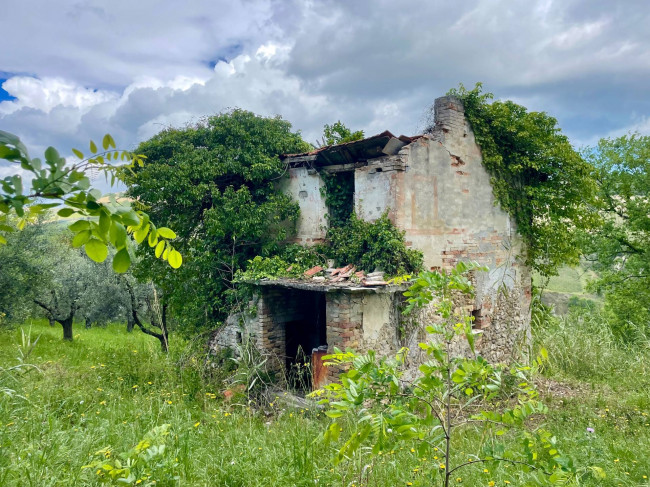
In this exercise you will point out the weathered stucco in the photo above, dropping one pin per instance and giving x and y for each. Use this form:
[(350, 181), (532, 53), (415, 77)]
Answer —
[(304, 185)]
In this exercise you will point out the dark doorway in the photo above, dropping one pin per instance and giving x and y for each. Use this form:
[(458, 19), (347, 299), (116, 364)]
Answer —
[(305, 334)]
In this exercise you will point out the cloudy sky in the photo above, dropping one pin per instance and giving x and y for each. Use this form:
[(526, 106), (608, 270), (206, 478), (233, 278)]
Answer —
[(74, 70)]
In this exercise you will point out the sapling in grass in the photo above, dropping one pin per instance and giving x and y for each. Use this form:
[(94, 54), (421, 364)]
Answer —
[(375, 407)]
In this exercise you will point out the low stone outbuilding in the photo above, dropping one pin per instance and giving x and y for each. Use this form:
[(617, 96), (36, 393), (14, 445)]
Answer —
[(433, 187)]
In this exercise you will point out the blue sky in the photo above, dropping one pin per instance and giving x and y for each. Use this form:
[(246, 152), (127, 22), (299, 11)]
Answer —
[(133, 68), (4, 96)]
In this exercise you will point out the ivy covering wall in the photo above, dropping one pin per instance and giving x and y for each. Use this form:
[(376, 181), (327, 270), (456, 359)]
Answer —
[(537, 177)]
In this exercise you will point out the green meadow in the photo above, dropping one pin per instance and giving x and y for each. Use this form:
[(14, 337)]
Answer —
[(83, 405)]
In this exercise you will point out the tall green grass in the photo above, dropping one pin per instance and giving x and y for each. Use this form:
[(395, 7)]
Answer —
[(108, 388)]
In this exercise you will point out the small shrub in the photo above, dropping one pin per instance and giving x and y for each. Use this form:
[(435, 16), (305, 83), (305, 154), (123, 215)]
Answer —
[(375, 407), (146, 464), (291, 262), (373, 245)]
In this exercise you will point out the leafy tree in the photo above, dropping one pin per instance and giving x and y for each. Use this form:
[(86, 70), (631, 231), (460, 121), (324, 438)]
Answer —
[(338, 133), (55, 183), (619, 250), (21, 270), (536, 175), (65, 275), (214, 182)]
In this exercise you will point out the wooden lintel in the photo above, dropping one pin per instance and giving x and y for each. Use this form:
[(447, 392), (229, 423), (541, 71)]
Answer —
[(344, 167), (298, 159)]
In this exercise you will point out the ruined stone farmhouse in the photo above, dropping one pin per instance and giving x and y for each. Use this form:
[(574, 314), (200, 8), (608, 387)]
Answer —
[(434, 188)]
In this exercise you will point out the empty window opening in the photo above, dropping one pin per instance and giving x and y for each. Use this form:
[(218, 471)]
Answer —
[(477, 318)]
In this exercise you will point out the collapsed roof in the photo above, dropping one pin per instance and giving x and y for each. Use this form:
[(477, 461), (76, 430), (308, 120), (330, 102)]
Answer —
[(383, 144)]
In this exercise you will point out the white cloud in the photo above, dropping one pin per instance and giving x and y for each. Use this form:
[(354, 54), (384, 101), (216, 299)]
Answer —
[(48, 93), (577, 34), (132, 69)]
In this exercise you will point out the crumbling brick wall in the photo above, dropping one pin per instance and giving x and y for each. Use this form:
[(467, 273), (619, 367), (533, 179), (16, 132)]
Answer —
[(437, 191)]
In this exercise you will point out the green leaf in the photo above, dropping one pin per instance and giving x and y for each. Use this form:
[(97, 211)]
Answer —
[(159, 248), (104, 222), (51, 155), (81, 238), (130, 218), (65, 212), (121, 261), (3, 240), (165, 232), (175, 259), (83, 183), (79, 225), (117, 234), (153, 237), (93, 147), (78, 153), (96, 250), (140, 235), (106, 141)]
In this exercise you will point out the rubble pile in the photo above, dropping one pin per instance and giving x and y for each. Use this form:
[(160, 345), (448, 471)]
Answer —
[(348, 273)]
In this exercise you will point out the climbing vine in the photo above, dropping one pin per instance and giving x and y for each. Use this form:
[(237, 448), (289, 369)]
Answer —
[(537, 176), (339, 196)]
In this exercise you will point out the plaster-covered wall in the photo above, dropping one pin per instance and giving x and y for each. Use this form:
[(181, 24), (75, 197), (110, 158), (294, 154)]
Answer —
[(304, 185), (376, 186), (437, 190)]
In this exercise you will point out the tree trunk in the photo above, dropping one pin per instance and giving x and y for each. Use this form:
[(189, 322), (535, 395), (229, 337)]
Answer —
[(88, 323), (67, 327), (129, 324), (55, 315), (135, 319), (51, 320), (163, 343)]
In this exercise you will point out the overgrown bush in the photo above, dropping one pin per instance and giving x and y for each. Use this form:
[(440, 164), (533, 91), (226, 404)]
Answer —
[(373, 245), (290, 262), (537, 176)]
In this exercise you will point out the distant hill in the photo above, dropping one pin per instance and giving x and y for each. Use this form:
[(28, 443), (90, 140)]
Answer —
[(570, 282)]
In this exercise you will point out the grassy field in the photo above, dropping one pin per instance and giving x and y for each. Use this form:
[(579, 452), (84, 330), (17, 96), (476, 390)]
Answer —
[(107, 389), (571, 282)]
